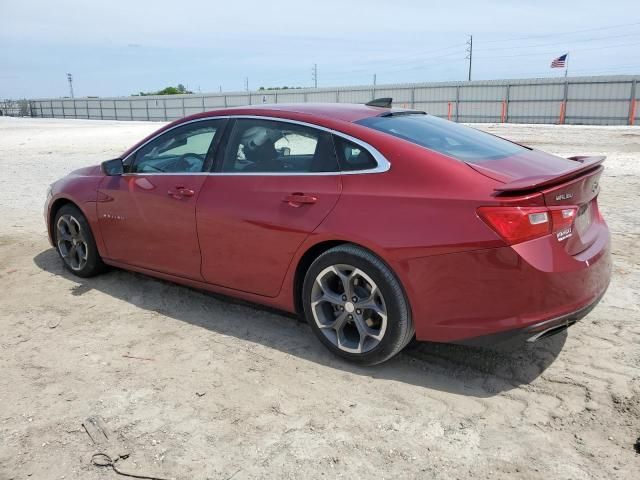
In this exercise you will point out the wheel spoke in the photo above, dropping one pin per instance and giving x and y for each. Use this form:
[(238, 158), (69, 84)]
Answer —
[(82, 251), (74, 227), (71, 253), (347, 281), (328, 295), (63, 228), (370, 303), (365, 331), (337, 324), (63, 234)]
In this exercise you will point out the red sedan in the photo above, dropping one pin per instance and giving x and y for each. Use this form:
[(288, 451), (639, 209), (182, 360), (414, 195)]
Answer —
[(377, 225)]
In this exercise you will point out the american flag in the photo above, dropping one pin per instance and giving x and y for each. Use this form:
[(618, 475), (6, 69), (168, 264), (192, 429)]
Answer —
[(560, 61)]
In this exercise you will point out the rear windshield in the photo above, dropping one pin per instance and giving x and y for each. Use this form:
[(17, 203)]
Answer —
[(452, 139)]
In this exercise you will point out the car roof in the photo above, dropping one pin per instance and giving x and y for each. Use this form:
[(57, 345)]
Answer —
[(348, 112)]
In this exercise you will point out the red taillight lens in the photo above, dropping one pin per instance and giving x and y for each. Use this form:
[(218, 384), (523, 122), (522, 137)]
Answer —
[(563, 217), (517, 224)]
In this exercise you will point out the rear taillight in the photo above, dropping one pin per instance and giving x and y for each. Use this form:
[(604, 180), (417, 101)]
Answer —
[(563, 217), (519, 224)]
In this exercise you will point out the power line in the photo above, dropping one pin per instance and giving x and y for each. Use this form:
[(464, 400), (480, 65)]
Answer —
[(548, 74), (458, 55), (562, 33), (361, 67), (413, 56), (555, 52), (567, 41)]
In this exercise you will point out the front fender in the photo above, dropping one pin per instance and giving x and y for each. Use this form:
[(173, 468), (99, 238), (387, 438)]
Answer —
[(80, 190)]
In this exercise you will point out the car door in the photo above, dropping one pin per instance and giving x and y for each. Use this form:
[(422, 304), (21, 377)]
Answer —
[(274, 183), (147, 215)]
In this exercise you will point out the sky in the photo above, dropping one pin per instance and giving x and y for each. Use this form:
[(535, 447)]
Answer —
[(123, 47)]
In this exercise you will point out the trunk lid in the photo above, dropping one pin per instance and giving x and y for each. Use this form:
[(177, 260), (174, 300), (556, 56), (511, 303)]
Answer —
[(564, 183), (581, 192), (533, 169)]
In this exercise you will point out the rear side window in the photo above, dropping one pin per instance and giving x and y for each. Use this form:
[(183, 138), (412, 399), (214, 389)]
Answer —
[(452, 139), (269, 146), (352, 156)]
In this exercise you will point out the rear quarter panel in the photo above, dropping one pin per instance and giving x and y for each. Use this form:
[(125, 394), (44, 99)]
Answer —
[(425, 205)]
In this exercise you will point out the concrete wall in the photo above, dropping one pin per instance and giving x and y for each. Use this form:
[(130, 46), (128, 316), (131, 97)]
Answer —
[(600, 100)]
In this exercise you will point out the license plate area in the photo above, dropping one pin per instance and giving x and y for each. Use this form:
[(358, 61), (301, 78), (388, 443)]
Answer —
[(583, 218)]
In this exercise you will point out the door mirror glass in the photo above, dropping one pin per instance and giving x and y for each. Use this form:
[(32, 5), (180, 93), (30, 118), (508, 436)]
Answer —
[(113, 167)]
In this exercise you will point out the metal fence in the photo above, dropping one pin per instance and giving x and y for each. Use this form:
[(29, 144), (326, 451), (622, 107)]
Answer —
[(15, 108), (600, 100)]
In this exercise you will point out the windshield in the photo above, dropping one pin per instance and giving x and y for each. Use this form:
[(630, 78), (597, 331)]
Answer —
[(452, 139)]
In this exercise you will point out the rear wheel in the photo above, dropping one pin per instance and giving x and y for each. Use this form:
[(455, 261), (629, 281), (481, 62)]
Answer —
[(356, 306), (75, 243)]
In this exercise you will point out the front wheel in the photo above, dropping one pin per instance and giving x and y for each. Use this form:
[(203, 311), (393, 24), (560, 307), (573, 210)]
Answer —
[(356, 306), (75, 243)]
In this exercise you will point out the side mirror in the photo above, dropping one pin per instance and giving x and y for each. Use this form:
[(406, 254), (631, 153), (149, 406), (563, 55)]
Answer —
[(113, 168)]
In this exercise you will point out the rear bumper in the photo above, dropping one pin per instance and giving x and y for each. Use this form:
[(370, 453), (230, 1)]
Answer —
[(494, 295), (532, 333)]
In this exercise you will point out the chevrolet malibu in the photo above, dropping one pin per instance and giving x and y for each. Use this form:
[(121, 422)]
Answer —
[(377, 225)]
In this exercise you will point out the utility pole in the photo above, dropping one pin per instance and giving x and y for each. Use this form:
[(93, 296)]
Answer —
[(470, 53), (70, 79), (246, 83), (374, 79), (314, 75)]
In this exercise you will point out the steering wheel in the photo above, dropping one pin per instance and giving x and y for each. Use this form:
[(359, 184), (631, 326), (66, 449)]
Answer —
[(193, 162), (287, 165)]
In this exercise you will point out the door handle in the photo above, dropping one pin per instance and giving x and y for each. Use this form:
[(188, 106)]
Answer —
[(298, 199), (181, 192)]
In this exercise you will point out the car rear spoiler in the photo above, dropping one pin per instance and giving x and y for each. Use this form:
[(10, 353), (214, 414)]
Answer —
[(585, 163)]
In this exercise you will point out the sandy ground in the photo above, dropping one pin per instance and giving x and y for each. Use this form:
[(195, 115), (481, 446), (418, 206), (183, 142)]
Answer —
[(195, 386)]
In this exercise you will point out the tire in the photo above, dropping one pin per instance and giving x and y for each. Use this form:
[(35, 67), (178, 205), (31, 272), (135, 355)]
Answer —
[(75, 244), (368, 335)]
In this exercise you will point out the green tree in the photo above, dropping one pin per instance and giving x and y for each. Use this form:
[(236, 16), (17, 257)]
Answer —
[(179, 90)]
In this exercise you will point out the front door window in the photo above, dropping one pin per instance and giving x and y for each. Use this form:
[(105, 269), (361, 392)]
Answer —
[(181, 150)]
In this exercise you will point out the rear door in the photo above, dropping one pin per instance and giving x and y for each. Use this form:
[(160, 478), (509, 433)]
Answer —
[(274, 184), (147, 215)]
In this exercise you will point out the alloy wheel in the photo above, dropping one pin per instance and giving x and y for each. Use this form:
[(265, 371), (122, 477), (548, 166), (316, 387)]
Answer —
[(349, 308), (71, 241)]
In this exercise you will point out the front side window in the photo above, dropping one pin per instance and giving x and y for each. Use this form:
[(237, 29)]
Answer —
[(181, 150), (452, 139), (270, 146)]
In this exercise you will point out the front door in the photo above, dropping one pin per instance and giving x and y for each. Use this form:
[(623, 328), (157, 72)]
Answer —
[(274, 184), (147, 215)]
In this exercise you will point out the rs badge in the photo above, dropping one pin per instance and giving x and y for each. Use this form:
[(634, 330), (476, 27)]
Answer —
[(563, 234)]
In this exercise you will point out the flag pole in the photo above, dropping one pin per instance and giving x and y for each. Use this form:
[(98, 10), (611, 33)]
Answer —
[(566, 66)]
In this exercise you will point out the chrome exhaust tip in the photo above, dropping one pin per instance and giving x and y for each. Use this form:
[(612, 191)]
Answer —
[(549, 332)]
